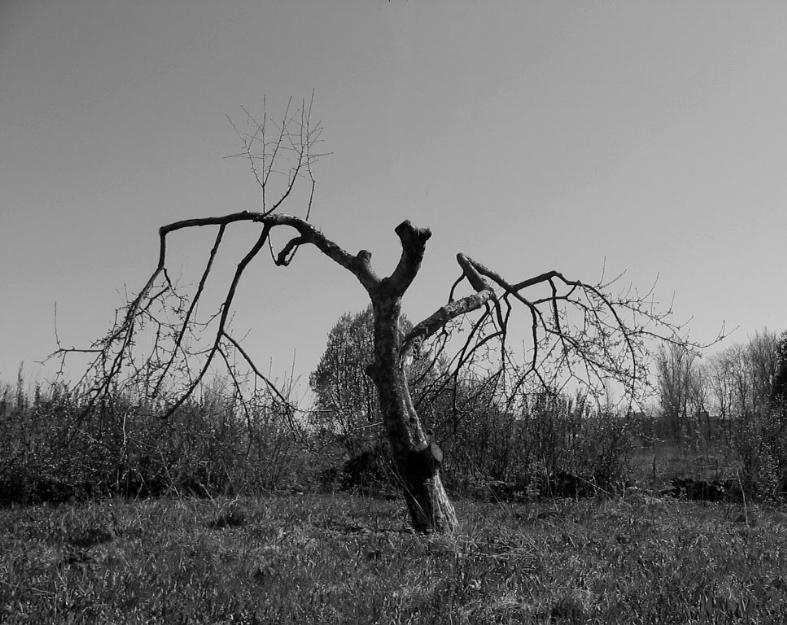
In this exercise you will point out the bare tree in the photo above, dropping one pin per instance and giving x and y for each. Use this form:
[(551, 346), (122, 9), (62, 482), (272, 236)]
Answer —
[(578, 333), (717, 376), (743, 377), (676, 370)]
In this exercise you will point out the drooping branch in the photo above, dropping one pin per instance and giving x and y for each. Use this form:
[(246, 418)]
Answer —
[(184, 326), (120, 340), (281, 155), (580, 333), (222, 325)]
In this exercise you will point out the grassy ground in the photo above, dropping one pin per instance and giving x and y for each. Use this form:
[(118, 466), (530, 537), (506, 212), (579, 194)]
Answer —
[(656, 465), (341, 559)]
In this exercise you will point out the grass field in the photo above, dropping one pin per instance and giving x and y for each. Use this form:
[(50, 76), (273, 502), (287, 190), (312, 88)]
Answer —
[(345, 559)]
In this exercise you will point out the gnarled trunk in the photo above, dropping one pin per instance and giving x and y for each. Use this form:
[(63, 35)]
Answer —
[(417, 460)]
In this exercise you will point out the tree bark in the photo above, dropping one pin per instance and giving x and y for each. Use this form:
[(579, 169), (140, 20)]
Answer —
[(417, 460)]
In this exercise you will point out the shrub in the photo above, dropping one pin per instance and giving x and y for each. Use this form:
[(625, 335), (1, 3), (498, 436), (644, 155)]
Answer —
[(551, 437), (760, 441), (56, 447)]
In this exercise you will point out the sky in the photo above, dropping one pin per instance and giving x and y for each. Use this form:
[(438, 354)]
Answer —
[(647, 137)]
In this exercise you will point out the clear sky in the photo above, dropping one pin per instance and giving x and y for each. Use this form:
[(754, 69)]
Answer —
[(529, 135)]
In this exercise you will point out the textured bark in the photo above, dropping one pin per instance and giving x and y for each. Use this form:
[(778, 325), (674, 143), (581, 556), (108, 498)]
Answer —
[(417, 460), (430, 508)]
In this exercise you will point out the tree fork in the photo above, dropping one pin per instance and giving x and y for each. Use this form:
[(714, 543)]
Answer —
[(417, 460)]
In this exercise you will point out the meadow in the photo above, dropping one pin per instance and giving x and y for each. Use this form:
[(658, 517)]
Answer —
[(343, 558)]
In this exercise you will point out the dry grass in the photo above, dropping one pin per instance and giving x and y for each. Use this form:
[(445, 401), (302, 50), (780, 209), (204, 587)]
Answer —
[(340, 559)]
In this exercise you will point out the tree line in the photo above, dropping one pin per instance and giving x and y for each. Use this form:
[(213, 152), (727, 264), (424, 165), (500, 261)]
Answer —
[(697, 395)]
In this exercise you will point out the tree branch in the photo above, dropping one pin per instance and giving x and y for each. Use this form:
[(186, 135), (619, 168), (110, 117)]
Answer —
[(413, 247)]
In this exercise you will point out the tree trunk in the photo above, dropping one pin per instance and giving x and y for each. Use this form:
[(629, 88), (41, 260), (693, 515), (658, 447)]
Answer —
[(417, 460)]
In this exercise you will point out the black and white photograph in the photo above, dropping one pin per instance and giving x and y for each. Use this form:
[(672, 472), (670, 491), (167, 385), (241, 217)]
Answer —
[(393, 312)]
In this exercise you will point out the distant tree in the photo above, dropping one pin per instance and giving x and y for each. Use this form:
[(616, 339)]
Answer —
[(779, 392), (346, 398), (742, 378), (719, 386), (347, 401), (579, 333), (757, 425), (763, 355), (676, 374)]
